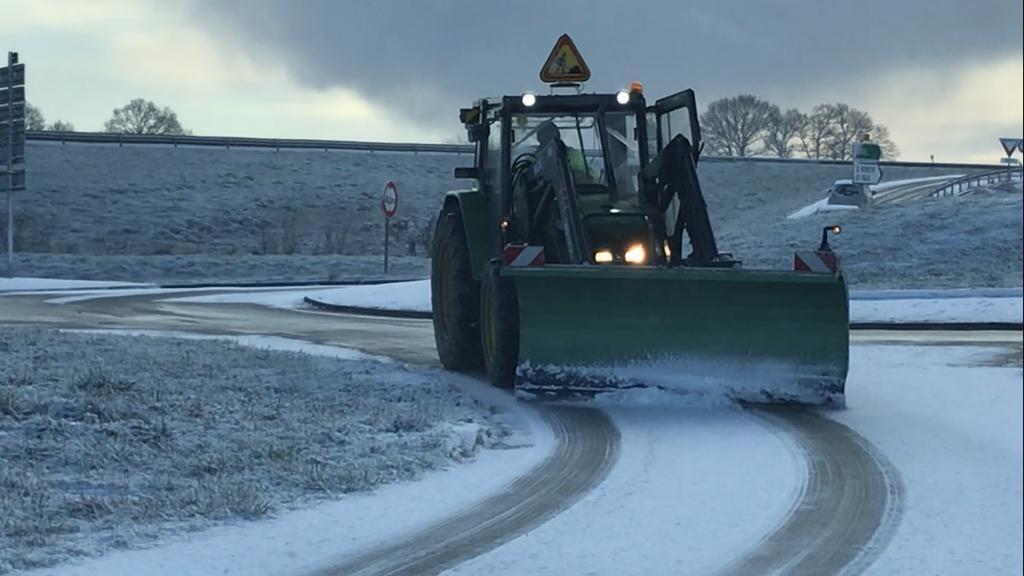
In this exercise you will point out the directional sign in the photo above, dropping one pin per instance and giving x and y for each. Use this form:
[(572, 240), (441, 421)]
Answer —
[(15, 79), (17, 111), (389, 201), (564, 64), (1011, 144), (865, 163), (19, 94)]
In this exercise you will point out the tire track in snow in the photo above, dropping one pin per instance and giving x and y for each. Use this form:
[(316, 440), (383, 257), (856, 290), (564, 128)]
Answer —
[(588, 445), (846, 513)]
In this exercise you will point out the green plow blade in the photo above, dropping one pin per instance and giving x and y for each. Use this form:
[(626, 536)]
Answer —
[(753, 335)]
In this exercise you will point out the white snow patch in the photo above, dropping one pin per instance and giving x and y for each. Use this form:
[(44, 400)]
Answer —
[(819, 206), (680, 500), (254, 340), (407, 296), (18, 284), (72, 296), (936, 293), (413, 295), (938, 310), (291, 298), (954, 432)]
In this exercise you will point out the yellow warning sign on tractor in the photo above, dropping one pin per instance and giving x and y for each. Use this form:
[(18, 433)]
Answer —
[(564, 64)]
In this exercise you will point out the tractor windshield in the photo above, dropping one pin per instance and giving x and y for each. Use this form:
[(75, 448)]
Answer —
[(614, 175)]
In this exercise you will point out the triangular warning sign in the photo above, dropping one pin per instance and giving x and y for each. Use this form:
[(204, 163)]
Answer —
[(1011, 144), (565, 64)]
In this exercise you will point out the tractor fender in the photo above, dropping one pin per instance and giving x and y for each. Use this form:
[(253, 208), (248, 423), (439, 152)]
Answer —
[(474, 208)]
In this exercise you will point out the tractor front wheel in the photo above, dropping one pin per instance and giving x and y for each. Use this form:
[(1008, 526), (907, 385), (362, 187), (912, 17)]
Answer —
[(454, 295), (499, 327)]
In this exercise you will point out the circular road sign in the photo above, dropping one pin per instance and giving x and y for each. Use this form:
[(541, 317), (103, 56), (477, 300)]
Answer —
[(389, 202)]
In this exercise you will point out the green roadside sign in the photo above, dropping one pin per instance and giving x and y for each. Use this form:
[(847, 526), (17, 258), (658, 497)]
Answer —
[(865, 163)]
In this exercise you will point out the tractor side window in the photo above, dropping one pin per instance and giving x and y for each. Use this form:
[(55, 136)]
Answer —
[(492, 165), (674, 123), (652, 136)]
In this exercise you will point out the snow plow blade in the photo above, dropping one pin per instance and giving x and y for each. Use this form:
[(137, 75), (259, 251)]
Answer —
[(756, 336)]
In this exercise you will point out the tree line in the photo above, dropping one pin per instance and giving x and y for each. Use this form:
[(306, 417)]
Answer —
[(139, 116), (746, 125), (742, 125)]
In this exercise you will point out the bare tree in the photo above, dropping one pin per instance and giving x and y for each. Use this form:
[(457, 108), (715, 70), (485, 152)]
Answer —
[(848, 125), (782, 128), (880, 136), (143, 117), (61, 126), (34, 119), (832, 129), (816, 136), (732, 125)]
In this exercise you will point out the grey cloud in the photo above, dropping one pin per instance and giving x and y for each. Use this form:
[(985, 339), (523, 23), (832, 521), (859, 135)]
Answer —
[(424, 59)]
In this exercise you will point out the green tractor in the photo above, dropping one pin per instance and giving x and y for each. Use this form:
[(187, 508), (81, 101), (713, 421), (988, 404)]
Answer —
[(583, 259)]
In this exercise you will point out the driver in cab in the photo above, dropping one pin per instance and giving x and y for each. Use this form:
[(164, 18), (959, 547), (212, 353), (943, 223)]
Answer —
[(547, 132)]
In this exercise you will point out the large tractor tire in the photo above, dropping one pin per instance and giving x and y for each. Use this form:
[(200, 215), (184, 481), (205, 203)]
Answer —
[(499, 327), (454, 295)]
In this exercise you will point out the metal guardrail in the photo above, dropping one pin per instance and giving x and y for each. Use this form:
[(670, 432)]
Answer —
[(964, 184), (292, 143), (240, 142)]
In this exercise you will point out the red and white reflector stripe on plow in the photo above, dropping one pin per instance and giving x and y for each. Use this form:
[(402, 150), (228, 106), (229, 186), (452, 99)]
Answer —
[(817, 261), (523, 255)]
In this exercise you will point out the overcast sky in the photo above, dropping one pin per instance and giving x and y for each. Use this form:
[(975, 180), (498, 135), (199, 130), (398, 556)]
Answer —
[(946, 76)]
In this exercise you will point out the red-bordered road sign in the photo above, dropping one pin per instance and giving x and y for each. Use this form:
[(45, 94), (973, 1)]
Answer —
[(564, 64), (389, 201)]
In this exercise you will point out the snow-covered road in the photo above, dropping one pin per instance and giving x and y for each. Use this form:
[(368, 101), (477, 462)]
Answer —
[(698, 491)]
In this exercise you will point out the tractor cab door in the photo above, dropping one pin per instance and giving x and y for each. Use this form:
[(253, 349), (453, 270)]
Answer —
[(671, 116), (677, 194)]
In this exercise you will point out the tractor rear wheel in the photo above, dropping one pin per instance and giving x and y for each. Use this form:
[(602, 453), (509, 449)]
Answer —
[(454, 295), (499, 327)]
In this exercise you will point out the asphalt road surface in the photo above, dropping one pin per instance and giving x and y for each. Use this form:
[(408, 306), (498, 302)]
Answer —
[(850, 503)]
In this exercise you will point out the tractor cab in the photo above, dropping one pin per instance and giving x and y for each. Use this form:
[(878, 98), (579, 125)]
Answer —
[(586, 176)]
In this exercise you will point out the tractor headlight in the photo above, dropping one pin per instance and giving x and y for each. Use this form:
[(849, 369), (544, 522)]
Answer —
[(603, 256), (529, 99), (636, 254), (622, 97)]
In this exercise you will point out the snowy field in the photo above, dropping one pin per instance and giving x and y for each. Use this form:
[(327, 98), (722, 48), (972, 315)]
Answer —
[(178, 215), (969, 241), (110, 441)]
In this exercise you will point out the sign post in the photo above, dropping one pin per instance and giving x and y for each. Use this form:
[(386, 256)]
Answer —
[(12, 141), (389, 206), (866, 170), (1010, 145)]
